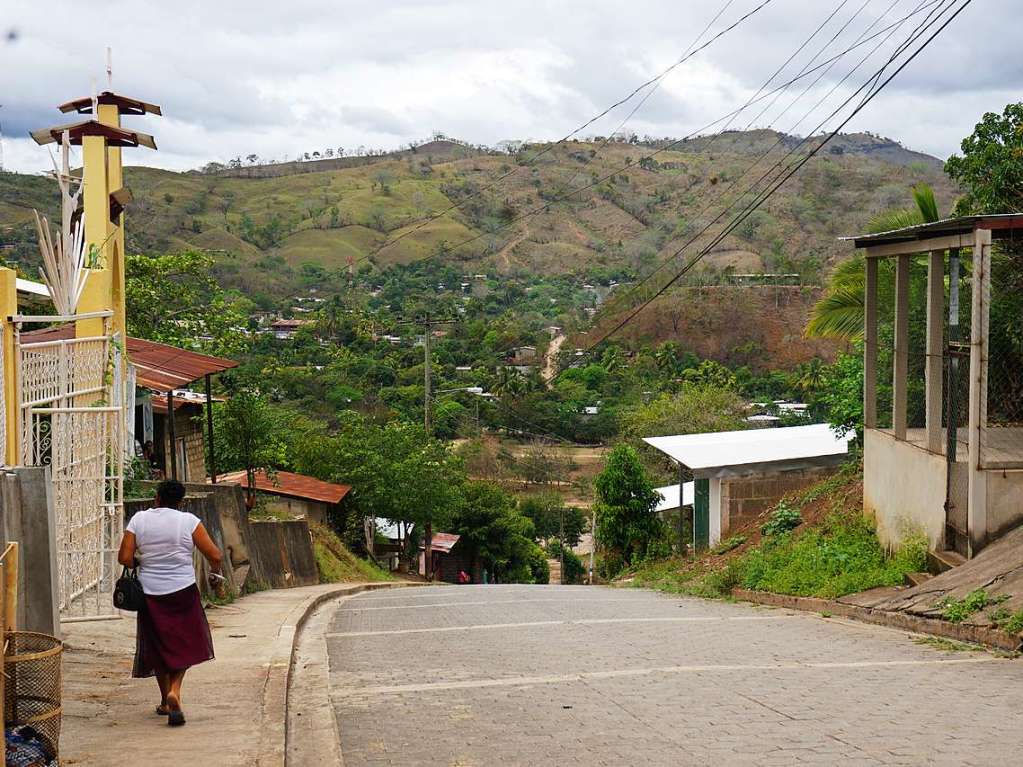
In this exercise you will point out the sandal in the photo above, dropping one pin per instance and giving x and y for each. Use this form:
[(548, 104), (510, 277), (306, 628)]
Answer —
[(176, 718), (162, 710)]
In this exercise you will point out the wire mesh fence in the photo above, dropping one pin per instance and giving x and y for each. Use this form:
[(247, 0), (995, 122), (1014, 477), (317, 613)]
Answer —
[(1002, 445)]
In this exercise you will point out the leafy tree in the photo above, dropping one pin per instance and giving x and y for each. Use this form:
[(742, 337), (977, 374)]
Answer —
[(692, 410), (494, 535), (839, 313), (625, 503), (250, 435), (547, 511), (990, 169), (176, 299), (396, 471)]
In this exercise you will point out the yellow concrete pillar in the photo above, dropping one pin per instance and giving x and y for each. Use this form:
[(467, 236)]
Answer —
[(97, 295), (109, 114), (95, 298), (8, 307)]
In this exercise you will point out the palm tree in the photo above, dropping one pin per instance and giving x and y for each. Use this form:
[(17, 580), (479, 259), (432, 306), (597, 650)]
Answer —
[(839, 314)]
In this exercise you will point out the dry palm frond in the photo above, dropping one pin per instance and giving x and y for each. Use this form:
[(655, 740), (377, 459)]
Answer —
[(63, 269)]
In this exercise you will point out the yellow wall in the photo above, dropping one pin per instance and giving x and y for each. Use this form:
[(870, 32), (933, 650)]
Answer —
[(9, 306)]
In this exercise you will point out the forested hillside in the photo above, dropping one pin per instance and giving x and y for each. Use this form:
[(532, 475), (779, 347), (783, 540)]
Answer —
[(271, 227)]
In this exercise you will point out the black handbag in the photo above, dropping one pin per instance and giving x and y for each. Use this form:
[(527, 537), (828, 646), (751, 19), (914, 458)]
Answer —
[(128, 593)]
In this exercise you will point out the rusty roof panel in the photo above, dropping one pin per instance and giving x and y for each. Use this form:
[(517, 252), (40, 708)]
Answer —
[(159, 367), (78, 130), (291, 485)]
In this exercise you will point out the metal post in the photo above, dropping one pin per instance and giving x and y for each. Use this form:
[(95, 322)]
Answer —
[(981, 305), (593, 539), (172, 435), (952, 396), (209, 431)]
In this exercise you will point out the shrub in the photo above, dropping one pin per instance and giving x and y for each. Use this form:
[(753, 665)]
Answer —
[(840, 558), (574, 569), (784, 518), (957, 610)]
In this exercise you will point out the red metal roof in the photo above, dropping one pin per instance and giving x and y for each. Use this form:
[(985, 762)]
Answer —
[(442, 542), (125, 105), (291, 485), (160, 367)]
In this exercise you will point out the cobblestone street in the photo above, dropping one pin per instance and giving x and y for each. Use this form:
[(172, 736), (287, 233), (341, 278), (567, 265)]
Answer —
[(548, 675)]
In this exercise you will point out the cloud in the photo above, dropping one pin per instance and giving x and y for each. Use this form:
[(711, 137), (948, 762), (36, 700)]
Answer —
[(277, 79)]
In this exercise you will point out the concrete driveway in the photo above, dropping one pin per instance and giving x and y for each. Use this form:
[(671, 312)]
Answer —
[(554, 675)]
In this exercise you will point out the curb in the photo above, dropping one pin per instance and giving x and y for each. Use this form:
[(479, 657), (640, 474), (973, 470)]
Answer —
[(274, 699), (989, 637)]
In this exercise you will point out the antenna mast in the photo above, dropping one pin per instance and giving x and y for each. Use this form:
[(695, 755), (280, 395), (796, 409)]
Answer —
[(110, 69), (1, 143)]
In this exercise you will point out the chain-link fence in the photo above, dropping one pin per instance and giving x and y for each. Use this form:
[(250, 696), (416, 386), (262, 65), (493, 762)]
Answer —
[(1002, 446)]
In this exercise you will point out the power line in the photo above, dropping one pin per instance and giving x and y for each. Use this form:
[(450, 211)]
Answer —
[(550, 147), (674, 143), (872, 92), (706, 208)]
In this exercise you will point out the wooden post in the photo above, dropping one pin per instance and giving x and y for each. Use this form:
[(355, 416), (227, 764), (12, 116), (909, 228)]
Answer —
[(209, 432), (870, 345), (900, 372), (172, 436), (981, 306), (935, 345)]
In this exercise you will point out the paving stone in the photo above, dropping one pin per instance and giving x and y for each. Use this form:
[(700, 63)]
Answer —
[(543, 675)]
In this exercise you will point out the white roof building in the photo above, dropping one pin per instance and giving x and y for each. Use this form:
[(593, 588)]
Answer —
[(739, 474)]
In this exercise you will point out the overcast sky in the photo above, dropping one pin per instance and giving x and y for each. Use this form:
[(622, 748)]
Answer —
[(279, 78)]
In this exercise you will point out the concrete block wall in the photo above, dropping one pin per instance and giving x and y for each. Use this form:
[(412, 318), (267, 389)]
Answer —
[(744, 499)]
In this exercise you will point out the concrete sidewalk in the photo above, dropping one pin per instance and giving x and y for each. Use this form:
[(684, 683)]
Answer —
[(235, 705)]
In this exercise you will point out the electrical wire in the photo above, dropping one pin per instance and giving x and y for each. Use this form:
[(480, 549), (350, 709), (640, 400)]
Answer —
[(871, 93), (551, 146)]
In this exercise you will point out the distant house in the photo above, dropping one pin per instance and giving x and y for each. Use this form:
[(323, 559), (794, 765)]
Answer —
[(524, 354), (286, 329), (446, 561), (297, 495), (161, 374), (740, 474)]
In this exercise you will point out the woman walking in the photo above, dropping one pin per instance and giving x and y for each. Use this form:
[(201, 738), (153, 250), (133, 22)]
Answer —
[(172, 633)]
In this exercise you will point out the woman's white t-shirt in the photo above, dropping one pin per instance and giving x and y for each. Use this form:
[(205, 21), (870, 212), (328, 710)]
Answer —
[(163, 547)]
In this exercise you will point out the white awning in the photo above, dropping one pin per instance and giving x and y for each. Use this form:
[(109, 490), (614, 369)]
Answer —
[(32, 288), (669, 496), (721, 452)]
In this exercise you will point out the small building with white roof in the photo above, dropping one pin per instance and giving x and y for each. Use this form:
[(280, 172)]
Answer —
[(737, 475)]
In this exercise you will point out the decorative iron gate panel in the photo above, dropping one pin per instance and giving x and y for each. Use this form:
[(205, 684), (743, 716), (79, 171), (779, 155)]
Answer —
[(71, 418)]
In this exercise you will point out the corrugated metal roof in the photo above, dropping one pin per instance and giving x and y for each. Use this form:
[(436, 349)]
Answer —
[(77, 130), (669, 496), (160, 367), (729, 449), (963, 225), (292, 485), (125, 104), (442, 542)]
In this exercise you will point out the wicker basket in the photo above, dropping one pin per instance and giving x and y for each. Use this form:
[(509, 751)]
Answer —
[(32, 691)]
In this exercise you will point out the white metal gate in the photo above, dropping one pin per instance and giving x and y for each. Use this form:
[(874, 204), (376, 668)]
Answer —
[(71, 417)]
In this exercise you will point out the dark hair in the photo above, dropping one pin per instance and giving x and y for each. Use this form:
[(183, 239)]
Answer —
[(170, 492)]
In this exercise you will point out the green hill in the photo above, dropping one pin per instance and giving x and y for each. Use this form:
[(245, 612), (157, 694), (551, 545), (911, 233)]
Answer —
[(270, 225)]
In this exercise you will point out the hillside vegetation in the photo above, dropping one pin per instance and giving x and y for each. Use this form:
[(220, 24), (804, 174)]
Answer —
[(269, 225)]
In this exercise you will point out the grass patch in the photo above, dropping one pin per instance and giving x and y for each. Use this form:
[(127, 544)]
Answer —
[(840, 557), (947, 645), (1007, 621), (336, 564), (957, 610), (729, 544)]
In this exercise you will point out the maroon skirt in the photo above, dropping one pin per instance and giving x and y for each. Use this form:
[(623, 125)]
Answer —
[(172, 634)]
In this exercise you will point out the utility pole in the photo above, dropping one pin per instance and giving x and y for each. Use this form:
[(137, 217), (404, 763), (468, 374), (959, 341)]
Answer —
[(593, 539), (427, 324), (562, 547), (427, 336)]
